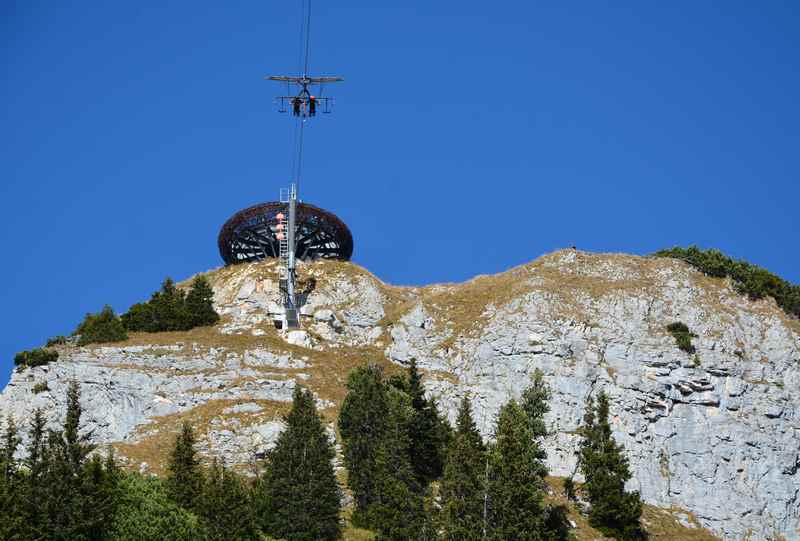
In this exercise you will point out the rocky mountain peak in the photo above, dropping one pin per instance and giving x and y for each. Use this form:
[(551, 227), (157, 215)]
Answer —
[(713, 431)]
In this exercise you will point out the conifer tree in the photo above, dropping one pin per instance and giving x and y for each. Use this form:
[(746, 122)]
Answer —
[(184, 478), (12, 518), (430, 434), (299, 498), (397, 512), (165, 311), (35, 488), (99, 495), (67, 512), (375, 422), (76, 447), (146, 513), (463, 486), (535, 402), (225, 506), (101, 327), (515, 485), (200, 304), (169, 308), (11, 440), (614, 511), (363, 421)]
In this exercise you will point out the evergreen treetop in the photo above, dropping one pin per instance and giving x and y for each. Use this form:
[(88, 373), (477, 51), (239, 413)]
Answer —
[(184, 476), (12, 523), (146, 513), (101, 327), (363, 420), (535, 402), (299, 498), (398, 512), (515, 484), (225, 506), (200, 303), (463, 486), (376, 422), (601, 459), (430, 433), (170, 309)]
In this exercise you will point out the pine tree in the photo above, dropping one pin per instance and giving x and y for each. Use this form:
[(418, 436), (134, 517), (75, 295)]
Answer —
[(139, 318), (225, 506), (398, 510), (614, 511), (375, 421), (101, 327), (67, 512), (76, 447), (430, 434), (8, 447), (363, 421), (462, 489), (165, 311), (12, 517), (169, 309), (35, 488), (200, 304), (535, 403), (99, 494), (515, 487), (184, 478), (299, 496)]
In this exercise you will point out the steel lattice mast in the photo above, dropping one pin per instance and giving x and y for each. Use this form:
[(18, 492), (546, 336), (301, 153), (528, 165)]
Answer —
[(304, 106)]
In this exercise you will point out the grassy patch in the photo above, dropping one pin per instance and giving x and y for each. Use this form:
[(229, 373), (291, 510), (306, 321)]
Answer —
[(157, 437)]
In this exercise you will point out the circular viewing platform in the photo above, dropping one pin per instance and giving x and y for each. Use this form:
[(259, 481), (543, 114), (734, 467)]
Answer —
[(252, 234)]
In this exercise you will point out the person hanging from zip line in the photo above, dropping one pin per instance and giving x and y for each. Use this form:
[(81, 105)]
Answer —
[(312, 106), (296, 103)]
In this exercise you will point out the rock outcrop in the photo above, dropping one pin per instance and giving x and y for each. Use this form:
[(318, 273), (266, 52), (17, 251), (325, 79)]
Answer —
[(714, 432)]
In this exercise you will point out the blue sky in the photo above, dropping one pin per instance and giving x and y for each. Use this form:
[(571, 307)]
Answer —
[(469, 137)]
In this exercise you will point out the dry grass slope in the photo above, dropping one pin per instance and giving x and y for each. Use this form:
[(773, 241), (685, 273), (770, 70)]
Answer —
[(573, 280)]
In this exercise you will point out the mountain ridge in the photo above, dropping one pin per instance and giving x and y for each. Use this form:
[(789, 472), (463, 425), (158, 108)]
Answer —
[(714, 433)]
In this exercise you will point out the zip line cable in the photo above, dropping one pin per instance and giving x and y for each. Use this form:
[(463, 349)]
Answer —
[(308, 35), (305, 45)]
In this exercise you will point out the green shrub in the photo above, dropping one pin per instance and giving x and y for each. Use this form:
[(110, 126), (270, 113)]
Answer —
[(34, 357), (682, 335), (102, 327), (169, 309), (40, 387), (748, 279), (56, 341)]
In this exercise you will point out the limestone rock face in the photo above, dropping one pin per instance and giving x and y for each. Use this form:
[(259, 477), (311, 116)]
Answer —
[(715, 432)]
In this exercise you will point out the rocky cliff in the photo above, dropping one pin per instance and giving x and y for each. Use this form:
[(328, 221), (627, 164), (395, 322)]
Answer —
[(714, 432)]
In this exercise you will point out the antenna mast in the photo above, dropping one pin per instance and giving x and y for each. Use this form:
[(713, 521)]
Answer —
[(304, 106)]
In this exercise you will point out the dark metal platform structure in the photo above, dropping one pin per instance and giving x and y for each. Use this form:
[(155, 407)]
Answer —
[(252, 234)]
